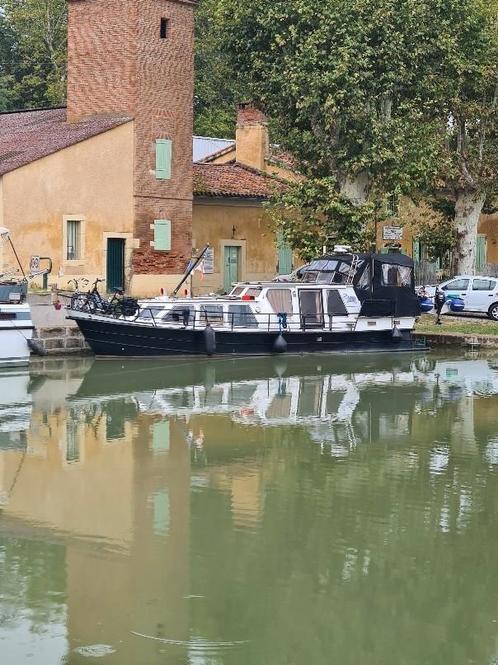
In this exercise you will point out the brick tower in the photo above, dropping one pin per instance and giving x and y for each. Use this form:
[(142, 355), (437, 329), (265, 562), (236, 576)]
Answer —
[(136, 58)]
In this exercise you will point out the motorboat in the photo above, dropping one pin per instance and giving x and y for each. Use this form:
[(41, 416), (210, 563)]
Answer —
[(16, 326), (343, 302)]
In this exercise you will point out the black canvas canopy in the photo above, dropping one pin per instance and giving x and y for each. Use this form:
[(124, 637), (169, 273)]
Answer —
[(384, 283)]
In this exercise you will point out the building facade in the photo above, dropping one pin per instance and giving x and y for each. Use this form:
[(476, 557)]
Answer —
[(104, 187)]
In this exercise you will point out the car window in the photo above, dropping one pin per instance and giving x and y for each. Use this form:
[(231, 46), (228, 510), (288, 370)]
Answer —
[(483, 285), (457, 285)]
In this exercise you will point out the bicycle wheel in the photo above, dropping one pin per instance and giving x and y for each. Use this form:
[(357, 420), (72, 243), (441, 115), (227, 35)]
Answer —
[(92, 304), (78, 302)]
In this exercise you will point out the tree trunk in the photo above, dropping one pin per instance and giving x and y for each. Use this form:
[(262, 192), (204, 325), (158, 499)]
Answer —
[(356, 189), (468, 210)]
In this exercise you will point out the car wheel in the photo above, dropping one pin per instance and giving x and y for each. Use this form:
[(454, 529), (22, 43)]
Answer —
[(493, 312)]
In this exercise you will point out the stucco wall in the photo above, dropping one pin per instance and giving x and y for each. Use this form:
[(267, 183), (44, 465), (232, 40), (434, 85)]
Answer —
[(488, 226), (213, 223), (92, 180)]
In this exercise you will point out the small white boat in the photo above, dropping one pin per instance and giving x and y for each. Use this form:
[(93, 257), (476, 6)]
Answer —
[(16, 325)]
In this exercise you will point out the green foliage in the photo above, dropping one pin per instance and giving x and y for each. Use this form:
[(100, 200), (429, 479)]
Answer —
[(400, 92), (431, 222), (33, 54), (33, 51), (311, 214), (353, 83), (470, 70), (217, 90)]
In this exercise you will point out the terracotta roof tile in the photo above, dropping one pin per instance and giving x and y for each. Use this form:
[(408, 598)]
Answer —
[(233, 180), (30, 135)]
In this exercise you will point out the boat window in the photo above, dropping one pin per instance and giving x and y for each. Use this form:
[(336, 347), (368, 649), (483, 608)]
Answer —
[(254, 291), (7, 316), (147, 313), (241, 316), (237, 290), (280, 300), (176, 314), (320, 264), (212, 314), (310, 277), (366, 278), (335, 306), (311, 304), (393, 275)]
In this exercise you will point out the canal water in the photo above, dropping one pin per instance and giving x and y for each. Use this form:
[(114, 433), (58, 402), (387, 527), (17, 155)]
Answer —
[(294, 511)]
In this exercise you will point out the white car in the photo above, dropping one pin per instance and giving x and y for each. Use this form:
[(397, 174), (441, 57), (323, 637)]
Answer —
[(479, 293)]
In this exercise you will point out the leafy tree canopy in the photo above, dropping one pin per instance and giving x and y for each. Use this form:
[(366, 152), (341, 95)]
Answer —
[(381, 95), (33, 51)]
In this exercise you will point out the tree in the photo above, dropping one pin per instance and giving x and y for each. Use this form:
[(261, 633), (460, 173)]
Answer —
[(470, 135), (376, 94), (217, 89), (37, 31), (352, 83), (311, 215)]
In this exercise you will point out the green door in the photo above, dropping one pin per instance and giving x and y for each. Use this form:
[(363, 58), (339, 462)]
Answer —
[(284, 256), (115, 264), (480, 253), (231, 266)]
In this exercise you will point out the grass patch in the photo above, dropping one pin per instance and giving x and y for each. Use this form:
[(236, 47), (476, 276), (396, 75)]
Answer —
[(453, 324)]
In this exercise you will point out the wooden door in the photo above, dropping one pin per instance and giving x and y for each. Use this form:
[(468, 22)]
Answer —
[(115, 264), (231, 266)]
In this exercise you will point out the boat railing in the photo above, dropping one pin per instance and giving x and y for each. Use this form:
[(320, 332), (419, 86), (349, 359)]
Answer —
[(268, 322)]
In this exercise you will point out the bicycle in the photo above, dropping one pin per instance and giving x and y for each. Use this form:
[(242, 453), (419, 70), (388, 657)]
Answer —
[(117, 306), (79, 299)]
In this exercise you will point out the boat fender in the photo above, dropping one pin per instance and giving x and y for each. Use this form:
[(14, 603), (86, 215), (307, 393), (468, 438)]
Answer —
[(36, 347), (209, 340), (280, 345), (397, 334)]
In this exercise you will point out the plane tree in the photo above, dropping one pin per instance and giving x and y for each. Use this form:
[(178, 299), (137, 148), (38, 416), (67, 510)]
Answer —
[(376, 96)]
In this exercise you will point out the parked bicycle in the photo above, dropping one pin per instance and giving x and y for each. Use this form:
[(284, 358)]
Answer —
[(94, 303), (79, 298)]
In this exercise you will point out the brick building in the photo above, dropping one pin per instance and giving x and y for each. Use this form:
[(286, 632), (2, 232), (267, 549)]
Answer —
[(107, 186), (110, 178)]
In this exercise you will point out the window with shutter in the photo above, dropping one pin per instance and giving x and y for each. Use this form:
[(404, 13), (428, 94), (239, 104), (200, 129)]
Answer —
[(162, 235), (163, 159)]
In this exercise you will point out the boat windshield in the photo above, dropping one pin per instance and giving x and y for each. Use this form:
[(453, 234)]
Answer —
[(149, 313)]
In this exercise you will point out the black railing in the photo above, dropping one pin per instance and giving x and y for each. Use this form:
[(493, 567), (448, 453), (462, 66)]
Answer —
[(268, 322)]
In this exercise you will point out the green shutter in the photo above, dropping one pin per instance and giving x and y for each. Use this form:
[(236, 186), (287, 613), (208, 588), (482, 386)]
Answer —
[(162, 235), (163, 159), (480, 253), (284, 256)]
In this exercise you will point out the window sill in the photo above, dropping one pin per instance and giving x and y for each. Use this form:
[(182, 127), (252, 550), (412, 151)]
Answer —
[(79, 263)]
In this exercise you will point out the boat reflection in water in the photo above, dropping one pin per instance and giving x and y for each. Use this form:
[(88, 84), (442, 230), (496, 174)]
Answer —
[(248, 511)]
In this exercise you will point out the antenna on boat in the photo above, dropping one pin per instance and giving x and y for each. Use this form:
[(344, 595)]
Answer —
[(190, 269)]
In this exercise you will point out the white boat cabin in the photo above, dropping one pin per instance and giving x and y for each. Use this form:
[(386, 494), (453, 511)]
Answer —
[(270, 306)]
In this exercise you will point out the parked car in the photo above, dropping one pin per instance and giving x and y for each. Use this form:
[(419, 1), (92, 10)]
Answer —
[(479, 293)]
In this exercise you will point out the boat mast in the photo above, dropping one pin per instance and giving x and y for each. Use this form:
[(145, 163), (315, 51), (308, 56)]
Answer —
[(190, 270)]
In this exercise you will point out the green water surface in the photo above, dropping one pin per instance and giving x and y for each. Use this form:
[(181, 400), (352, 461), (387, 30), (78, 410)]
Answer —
[(308, 510)]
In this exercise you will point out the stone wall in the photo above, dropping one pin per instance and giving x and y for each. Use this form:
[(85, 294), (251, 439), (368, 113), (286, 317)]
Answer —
[(61, 340)]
